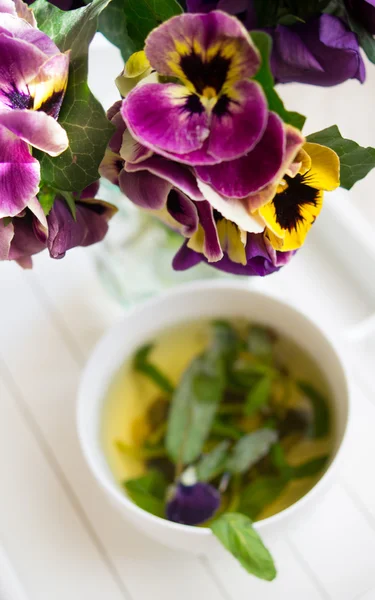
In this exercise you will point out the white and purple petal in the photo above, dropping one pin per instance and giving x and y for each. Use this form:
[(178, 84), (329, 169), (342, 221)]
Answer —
[(37, 129), (19, 174)]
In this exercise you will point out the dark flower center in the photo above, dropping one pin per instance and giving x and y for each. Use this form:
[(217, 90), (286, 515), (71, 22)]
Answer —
[(203, 75), (52, 104), (18, 99), (288, 204)]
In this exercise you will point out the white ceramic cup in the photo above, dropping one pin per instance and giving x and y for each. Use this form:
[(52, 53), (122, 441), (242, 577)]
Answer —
[(191, 302)]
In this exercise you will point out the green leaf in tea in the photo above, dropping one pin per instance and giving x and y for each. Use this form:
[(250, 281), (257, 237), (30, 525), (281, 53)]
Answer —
[(355, 162), (311, 468), (213, 463), (236, 533), (258, 396), (225, 428), (194, 405), (321, 423), (250, 449), (142, 364), (260, 342), (148, 492), (260, 493), (81, 115), (264, 76), (278, 460)]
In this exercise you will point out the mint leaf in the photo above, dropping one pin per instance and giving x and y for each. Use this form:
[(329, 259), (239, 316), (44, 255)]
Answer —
[(142, 364), (213, 463), (143, 16), (355, 162), (81, 114), (112, 24), (258, 396), (236, 533), (260, 342), (264, 76), (321, 423), (250, 449), (148, 492), (311, 468), (260, 493), (194, 404)]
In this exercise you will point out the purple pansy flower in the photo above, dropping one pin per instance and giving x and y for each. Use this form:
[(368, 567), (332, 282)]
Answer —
[(364, 12), (32, 232), (323, 51), (242, 9), (33, 79), (192, 502)]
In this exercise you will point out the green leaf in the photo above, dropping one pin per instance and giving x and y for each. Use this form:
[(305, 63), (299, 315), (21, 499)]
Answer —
[(264, 76), (311, 468), (280, 463), (81, 114), (236, 533), (148, 492), (259, 494), (194, 405), (143, 16), (355, 162), (266, 12), (258, 396), (46, 197), (213, 463), (260, 342), (250, 449), (112, 24), (226, 429), (142, 364), (68, 196), (321, 423)]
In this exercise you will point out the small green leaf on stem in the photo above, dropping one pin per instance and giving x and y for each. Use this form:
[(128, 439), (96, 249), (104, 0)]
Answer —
[(142, 364), (250, 449), (148, 492)]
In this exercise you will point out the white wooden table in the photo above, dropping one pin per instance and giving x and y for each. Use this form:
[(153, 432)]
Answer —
[(62, 537)]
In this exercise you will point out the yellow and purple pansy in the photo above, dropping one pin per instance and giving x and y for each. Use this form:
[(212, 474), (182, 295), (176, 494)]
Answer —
[(33, 79)]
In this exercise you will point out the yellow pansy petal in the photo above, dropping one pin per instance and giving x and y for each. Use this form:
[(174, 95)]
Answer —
[(196, 241), (268, 213), (137, 64), (324, 173), (232, 241), (295, 237), (305, 160)]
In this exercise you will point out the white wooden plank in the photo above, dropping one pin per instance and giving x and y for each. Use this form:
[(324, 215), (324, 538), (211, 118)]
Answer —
[(292, 580), (338, 544), (47, 375), (42, 534)]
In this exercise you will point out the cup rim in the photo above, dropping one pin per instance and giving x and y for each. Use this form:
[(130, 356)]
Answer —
[(111, 488)]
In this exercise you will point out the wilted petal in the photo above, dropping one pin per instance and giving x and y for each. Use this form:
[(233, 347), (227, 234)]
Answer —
[(159, 116), (206, 239), (24, 12), (193, 504), (248, 174), (26, 241), (37, 129), (184, 211), (19, 174), (233, 209), (145, 189), (90, 226), (6, 235), (131, 150), (111, 166), (178, 175)]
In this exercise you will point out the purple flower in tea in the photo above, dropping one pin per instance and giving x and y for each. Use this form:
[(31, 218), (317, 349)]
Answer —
[(323, 51), (192, 502), (33, 79)]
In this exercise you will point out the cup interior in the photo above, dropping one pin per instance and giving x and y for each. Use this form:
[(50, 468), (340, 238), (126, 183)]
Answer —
[(187, 303)]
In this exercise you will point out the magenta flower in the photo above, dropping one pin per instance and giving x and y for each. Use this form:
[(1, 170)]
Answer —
[(33, 79), (32, 232)]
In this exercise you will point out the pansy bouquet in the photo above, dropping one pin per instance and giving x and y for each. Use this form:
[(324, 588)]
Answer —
[(199, 135)]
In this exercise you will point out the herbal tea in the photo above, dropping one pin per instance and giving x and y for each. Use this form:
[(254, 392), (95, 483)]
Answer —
[(218, 424)]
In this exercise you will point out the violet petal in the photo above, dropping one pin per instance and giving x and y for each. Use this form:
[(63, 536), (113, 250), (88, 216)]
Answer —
[(193, 504)]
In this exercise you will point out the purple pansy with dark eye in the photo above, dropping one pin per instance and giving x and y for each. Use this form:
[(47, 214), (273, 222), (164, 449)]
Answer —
[(323, 51), (192, 502), (33, 79)]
